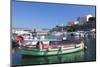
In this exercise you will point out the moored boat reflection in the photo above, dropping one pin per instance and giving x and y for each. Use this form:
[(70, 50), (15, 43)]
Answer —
[(65, 58)]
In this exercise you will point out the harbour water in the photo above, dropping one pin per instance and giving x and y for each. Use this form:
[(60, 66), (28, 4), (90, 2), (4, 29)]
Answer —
[(88, 55)]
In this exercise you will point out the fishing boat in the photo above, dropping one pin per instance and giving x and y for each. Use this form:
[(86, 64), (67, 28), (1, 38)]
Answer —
[(55, 47)]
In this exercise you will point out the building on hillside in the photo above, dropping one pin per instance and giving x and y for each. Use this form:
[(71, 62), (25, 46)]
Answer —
[(83, 19)]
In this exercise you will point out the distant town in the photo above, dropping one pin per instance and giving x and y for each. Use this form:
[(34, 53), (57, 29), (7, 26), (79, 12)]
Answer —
[(83, 23)]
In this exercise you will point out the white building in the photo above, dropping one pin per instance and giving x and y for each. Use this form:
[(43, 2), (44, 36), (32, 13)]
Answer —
[(84, 19), (76, 22)]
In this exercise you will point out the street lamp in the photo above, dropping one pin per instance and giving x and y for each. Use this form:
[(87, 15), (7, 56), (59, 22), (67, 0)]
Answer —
[(62, 27)]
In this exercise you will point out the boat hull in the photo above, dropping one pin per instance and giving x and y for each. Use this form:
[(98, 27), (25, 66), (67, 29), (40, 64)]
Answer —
[(55, 51)]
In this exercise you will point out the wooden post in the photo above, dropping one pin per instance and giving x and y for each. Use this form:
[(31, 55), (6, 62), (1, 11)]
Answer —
[(40, 45), (20, 44)]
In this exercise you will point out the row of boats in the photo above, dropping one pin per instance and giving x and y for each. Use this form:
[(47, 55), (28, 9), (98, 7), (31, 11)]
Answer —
[(51, 45)]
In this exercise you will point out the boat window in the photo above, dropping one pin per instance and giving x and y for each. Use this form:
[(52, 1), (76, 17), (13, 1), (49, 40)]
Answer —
[(55, 42)]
